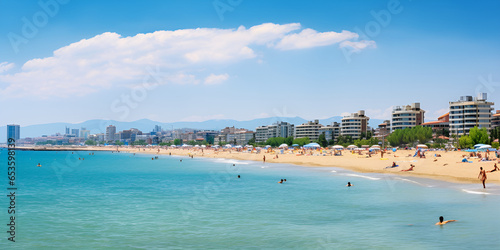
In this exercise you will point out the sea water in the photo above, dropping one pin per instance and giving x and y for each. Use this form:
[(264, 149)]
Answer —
[(127, 201)]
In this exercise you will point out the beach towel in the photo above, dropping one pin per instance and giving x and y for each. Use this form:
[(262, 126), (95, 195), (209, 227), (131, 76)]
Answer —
[(392, 166)]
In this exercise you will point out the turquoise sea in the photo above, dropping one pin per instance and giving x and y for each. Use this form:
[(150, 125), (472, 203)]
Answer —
[(126, 201)]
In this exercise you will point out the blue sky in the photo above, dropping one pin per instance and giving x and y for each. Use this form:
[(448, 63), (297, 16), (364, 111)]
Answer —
[(313, 59)]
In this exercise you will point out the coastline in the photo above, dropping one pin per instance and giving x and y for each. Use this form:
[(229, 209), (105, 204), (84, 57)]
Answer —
[(446, 168)]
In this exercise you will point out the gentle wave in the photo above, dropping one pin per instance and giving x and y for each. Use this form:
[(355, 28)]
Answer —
[(363, 176), (474, 192)]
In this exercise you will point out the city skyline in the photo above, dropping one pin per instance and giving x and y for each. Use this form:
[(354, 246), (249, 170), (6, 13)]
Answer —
[(253, 60)]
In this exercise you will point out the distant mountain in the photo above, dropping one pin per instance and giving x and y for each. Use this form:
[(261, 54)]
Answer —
[(146, 125)]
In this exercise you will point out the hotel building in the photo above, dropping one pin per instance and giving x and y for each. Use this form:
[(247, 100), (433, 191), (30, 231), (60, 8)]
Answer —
[(443, 122), (495, 120), (331, 131), (110, 133), (383, 129), (279, 129), (355, 124), (469, 112), (309, 130), (13, 131), (407, 116)]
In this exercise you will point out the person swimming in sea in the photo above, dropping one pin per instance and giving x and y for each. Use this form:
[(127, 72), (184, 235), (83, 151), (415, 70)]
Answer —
[(238, 176), (280, 181), (39, 165), (442, 221), (349, 184)]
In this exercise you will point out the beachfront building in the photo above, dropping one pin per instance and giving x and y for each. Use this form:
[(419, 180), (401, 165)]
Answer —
[(331, 131), (383, 129), (495, 120), (309, 130), (278, 129), (443, 123), (469, 112), (354, 125), (75, 132), (242, 137), (13, 131), (84, 133), (407, 116), (228, 135), (110, 133)]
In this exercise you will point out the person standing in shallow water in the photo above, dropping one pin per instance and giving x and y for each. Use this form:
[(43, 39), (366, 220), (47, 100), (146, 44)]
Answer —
[(482, 176), (264, 159)]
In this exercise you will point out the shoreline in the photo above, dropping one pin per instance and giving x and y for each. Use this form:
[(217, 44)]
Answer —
[(445, 168)]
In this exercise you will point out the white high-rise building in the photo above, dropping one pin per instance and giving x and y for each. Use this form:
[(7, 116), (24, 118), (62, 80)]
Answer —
[(469, 112), (355, 124), (407, 116), (110, 133)]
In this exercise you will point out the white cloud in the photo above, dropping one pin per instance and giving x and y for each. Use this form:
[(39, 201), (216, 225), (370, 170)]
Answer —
[(109, 60), (216, 79), (5, 66), (358, 45), (309, 38)]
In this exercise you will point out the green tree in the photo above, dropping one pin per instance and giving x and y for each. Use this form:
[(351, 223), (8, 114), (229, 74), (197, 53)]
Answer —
[(495, 145), (90, 142), (118, 143), (322, 140), (479, 136), (289, 140), (301, 141), (177, 142), (251, 141), (465, 142)]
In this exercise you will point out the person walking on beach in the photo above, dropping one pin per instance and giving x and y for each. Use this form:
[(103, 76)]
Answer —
[(442, 221), (482, 176), (264, 159)]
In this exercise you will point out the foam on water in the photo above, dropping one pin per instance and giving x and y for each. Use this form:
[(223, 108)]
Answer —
[(363, 176), (117, 201)]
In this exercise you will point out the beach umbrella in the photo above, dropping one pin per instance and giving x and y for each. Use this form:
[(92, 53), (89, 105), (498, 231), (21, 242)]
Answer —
[(295, 145), (203, 146), (185, 145), (197, 146), (239, 146), (352, 146), (375, 146), (422, 146), (312, 145), (480, 145), (485, 146), (267, 146), (284, 145), (338, 147)]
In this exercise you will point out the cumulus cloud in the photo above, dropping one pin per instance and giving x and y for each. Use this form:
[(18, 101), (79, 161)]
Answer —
[(109, 60), (5, 66), (216, 79), (309, 38), (358, 45)]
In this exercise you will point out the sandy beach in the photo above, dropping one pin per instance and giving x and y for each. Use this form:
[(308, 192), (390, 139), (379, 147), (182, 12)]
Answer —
[(447, 167)]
